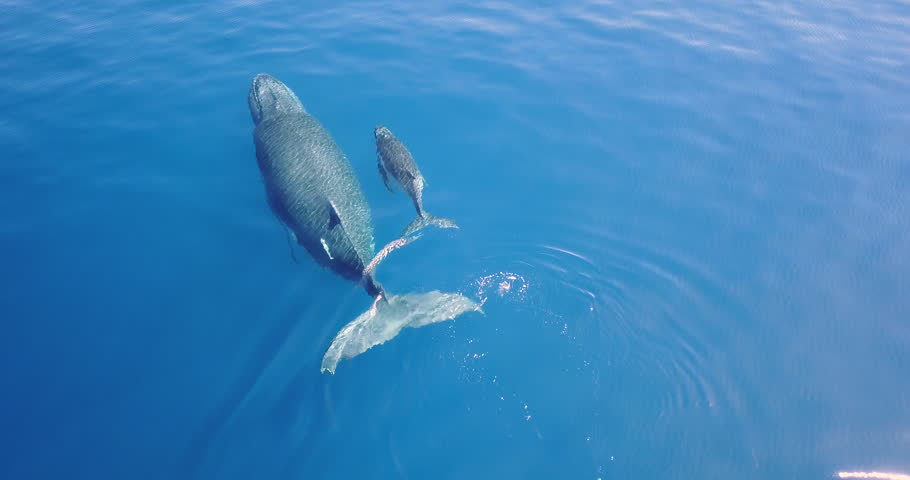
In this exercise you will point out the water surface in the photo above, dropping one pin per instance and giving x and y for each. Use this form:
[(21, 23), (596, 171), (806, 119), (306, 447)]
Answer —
[(687, 221)]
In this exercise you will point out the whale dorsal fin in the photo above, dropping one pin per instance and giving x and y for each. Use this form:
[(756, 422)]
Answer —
[(334, 218)]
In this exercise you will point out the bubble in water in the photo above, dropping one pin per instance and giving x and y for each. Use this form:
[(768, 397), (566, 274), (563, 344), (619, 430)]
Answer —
[(503, 283)]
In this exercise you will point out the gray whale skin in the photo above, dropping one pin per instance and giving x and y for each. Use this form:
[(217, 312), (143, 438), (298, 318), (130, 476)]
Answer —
[(312, 189), (396, 161)]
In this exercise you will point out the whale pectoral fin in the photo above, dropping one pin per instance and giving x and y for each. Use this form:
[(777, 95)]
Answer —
[(385, 176), (325, 246), (334, 218)]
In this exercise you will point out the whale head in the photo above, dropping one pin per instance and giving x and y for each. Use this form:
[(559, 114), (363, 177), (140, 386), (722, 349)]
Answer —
[(269, 98), (382, 133)]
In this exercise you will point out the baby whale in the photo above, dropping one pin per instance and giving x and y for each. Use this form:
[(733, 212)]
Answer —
[(312, 189), (395, 161)]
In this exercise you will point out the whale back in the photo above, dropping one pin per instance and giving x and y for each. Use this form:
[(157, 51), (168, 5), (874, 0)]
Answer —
[(396, 161), (311, 186)]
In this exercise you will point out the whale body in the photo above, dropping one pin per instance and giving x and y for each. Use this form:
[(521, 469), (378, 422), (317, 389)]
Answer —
[(397, 166), (310, 185), (313, 190)]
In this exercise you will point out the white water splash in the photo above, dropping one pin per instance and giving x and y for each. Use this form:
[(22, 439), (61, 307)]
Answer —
[(504, 283)]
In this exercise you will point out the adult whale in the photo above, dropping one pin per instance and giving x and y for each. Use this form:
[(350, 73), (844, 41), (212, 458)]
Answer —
[(312, 189)]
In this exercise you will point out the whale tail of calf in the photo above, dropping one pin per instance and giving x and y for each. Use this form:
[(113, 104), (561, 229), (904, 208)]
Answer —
[(388, 316), (424, 219)]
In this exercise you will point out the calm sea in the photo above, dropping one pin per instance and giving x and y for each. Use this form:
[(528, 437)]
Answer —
[(688, 222)]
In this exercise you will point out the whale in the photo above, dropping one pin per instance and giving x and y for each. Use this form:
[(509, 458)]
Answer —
[(313, 191), (310, 185), (397, 167)]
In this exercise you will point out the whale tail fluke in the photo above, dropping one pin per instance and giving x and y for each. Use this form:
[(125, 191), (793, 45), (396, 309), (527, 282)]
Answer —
[(389, 313), (388, 316), (425, 219)]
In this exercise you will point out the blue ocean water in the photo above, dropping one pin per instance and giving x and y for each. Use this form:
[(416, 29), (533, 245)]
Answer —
[(687, 222)]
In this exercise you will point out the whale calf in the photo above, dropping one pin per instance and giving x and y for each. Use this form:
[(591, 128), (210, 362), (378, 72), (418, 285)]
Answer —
[(396, 161), (312, 189)]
